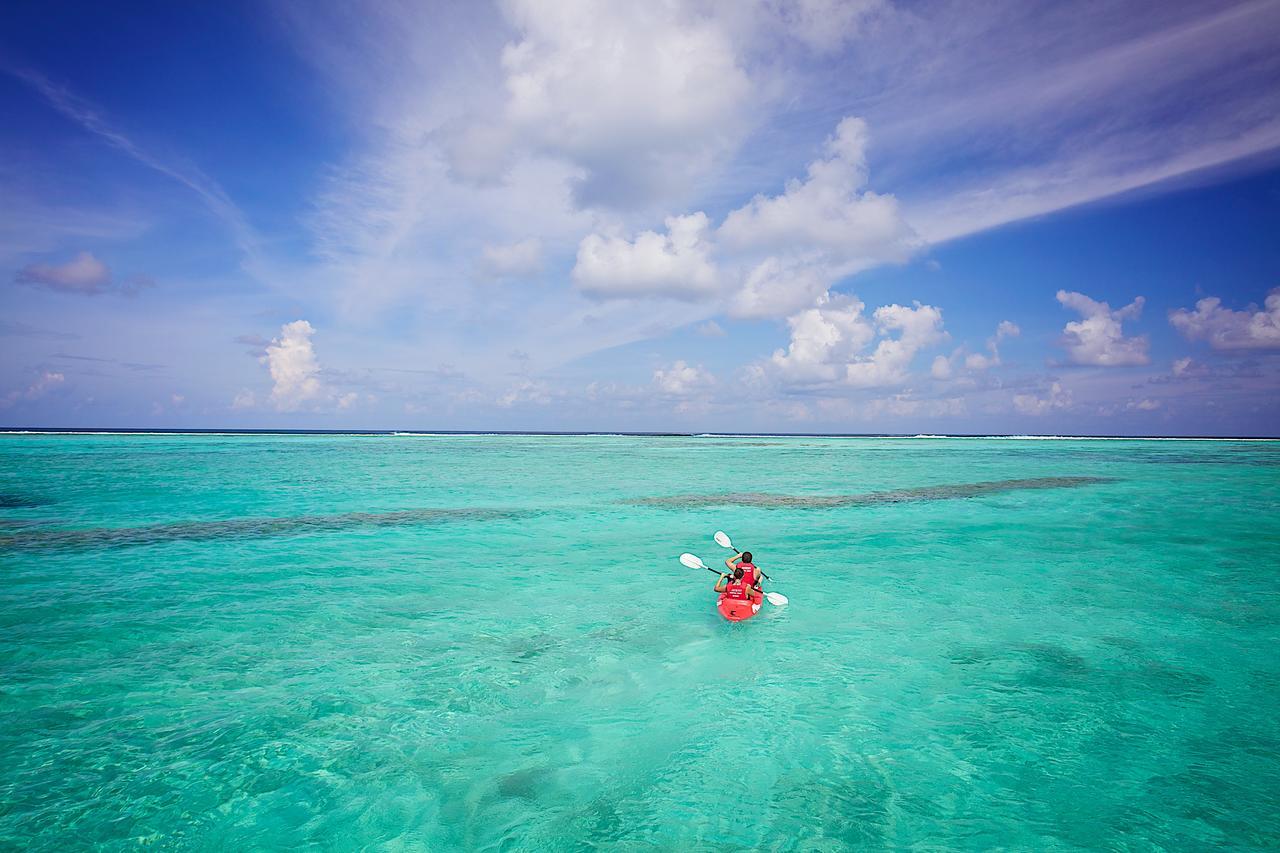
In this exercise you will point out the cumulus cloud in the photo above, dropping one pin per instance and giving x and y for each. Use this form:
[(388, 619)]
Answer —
[(1032, 404), (829, 211), (681, 379), (823, 340), (941, 367), (513, 259), (1225, 329), (676, 264), (297, 382), (827, 343), (46, 382), (1099, 339), (777, 287), (985, 361), (643, 98), (772, 257), (917, 328), (295, 373)]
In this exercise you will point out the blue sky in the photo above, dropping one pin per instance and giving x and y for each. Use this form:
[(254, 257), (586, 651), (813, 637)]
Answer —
[(798, 216)]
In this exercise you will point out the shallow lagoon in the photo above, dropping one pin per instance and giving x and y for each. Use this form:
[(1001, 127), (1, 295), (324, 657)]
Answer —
[(486, 642)]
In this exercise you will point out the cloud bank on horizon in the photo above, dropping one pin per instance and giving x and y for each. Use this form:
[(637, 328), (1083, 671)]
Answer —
[(793, 215)]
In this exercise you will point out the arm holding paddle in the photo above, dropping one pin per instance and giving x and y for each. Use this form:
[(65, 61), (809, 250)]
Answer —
[(693, 561)]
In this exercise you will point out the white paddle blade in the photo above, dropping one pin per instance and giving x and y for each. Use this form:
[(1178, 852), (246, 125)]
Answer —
[(692, 562), (722, 539), (777, 599)]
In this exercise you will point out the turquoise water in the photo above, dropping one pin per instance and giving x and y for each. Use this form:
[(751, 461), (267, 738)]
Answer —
[(487, 643)]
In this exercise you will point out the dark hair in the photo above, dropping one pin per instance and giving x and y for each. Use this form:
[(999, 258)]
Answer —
[(738, 573), (746, 556)]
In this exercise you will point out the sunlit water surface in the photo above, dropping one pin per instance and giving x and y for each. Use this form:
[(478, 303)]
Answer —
[(481, 642)]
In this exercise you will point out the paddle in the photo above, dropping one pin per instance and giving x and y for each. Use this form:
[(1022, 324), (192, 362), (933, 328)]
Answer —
[(692, 561), (722, 539)]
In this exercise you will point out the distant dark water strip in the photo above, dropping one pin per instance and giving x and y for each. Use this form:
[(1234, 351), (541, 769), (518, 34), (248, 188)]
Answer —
[(238, 528), (253, 528), (946, 492)]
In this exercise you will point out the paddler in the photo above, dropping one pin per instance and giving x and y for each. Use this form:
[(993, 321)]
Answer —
[(742, 560), (735, 586)]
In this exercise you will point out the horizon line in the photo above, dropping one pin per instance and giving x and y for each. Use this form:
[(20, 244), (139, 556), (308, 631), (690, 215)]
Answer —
[(619, 433)]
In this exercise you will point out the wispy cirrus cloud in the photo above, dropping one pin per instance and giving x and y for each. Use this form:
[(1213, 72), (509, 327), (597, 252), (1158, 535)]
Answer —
[(1075, 109), (92, 119)]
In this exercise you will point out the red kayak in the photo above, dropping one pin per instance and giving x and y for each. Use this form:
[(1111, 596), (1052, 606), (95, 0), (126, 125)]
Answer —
[(736, 610)]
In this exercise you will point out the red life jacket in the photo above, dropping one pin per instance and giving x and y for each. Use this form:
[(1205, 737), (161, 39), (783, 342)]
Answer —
[(738, 590), (749, 572)]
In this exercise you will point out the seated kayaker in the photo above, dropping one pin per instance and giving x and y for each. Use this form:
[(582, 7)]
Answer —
[(742, 561), (734, 586)]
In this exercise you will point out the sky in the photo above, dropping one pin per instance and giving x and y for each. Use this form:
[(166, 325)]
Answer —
[(783, 216)]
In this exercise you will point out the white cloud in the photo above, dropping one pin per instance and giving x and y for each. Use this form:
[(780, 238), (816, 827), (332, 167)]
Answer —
[(777, 287), (1007, 329), (83, 274), (643, 97), (681, 379), (1084, 103), (823, 340), (295, 375), (917, 328), (977, 361), (941, 367), (1099, 339), (513, 259), (294, 370), (830, 211), (1225, 329), (1030, 404), (676, 264), (827, 343), (711, 329), (785, 250)]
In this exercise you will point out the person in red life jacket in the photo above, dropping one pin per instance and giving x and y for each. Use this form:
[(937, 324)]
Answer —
[(748, 568), (736, 586)]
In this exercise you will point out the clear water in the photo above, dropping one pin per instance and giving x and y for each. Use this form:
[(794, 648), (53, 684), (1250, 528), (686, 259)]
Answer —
[(475, 643)]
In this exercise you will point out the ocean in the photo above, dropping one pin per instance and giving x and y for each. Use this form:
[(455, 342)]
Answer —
[(487, 642)]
